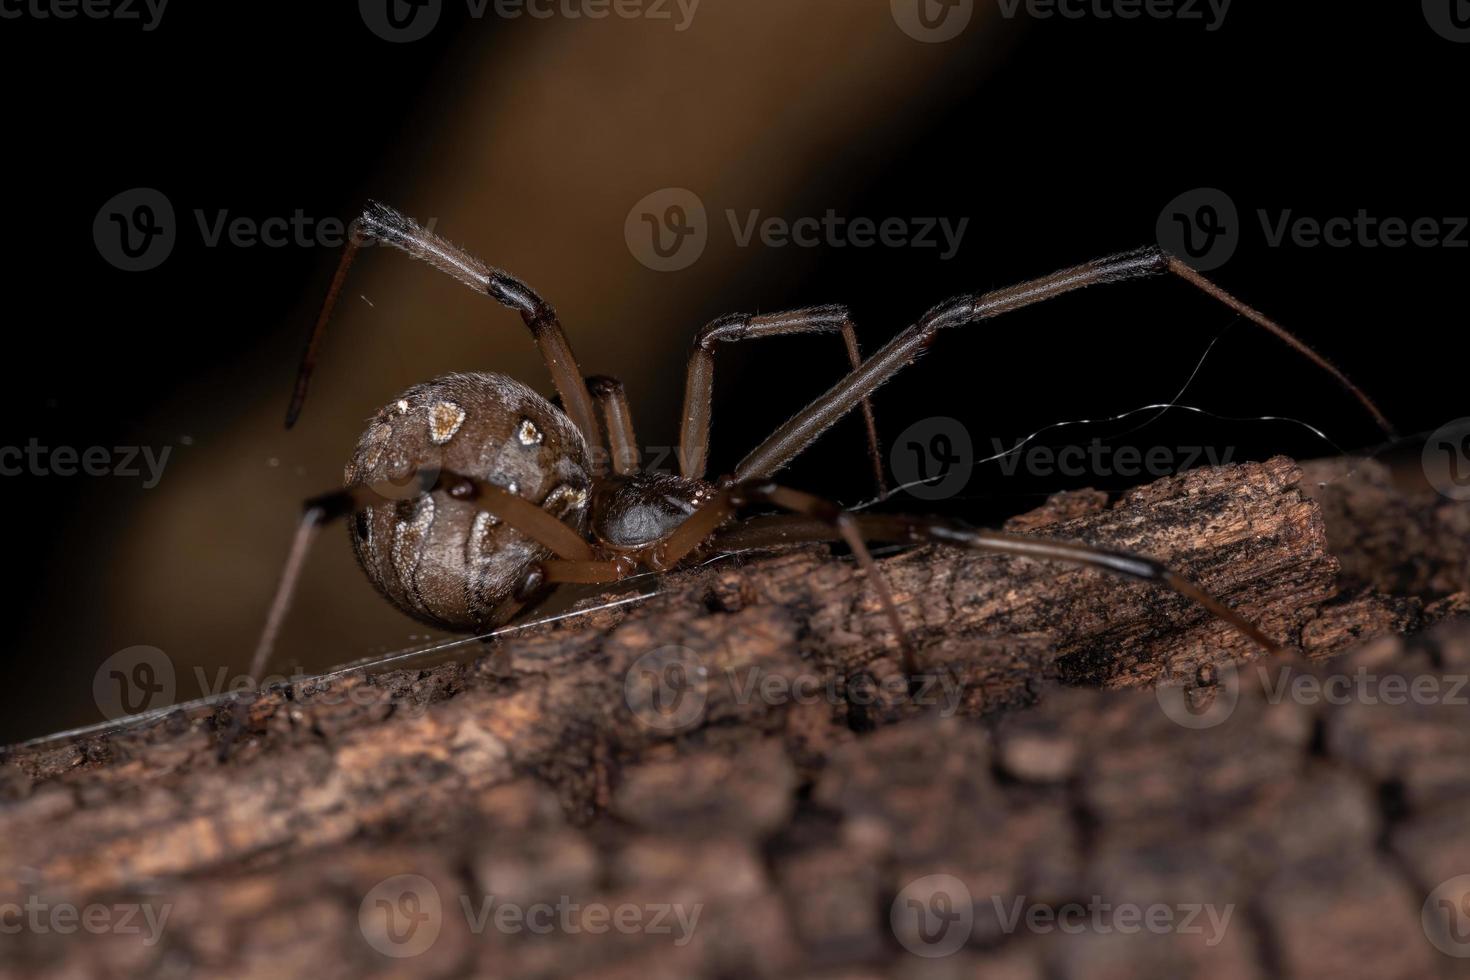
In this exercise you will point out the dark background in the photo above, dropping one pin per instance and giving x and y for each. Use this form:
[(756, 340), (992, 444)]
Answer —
[(530, 140)]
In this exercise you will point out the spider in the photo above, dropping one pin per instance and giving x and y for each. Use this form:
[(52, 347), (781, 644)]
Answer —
[(471, 495)]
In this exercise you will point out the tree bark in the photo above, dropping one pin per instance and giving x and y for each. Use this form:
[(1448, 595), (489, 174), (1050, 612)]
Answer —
[(742, 744)]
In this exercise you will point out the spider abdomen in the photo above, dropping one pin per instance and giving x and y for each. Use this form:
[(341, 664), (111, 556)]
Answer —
[(441, 559)]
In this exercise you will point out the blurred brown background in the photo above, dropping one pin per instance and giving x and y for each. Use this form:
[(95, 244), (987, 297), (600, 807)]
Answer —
[(530, 140)]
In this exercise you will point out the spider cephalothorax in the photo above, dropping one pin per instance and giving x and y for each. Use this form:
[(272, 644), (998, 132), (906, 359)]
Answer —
[(472, 494), (634, 512)]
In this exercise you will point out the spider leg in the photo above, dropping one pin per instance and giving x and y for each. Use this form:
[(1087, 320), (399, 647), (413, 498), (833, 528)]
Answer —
[(380, 223), (694, 431), (774, 531), (617, 418), (803, 428), (696, 531), (515, 511)]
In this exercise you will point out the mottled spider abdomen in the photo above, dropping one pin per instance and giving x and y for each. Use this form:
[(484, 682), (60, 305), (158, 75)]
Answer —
[(440, 559)]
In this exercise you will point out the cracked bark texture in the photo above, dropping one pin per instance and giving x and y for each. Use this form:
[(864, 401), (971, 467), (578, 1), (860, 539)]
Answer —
[(740, 744)]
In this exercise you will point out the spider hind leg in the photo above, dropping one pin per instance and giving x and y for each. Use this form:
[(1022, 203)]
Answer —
[(820, 520)]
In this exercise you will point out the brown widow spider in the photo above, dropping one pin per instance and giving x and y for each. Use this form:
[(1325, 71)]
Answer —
[(472, 495)]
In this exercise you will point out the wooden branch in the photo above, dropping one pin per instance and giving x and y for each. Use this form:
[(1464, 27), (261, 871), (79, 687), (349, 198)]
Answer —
[(785, 782)]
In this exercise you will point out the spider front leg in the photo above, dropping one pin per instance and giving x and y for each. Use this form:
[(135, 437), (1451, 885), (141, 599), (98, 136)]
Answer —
[(827, 521), (799, 432), (617, 419), (380, 223), (694, 430)]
